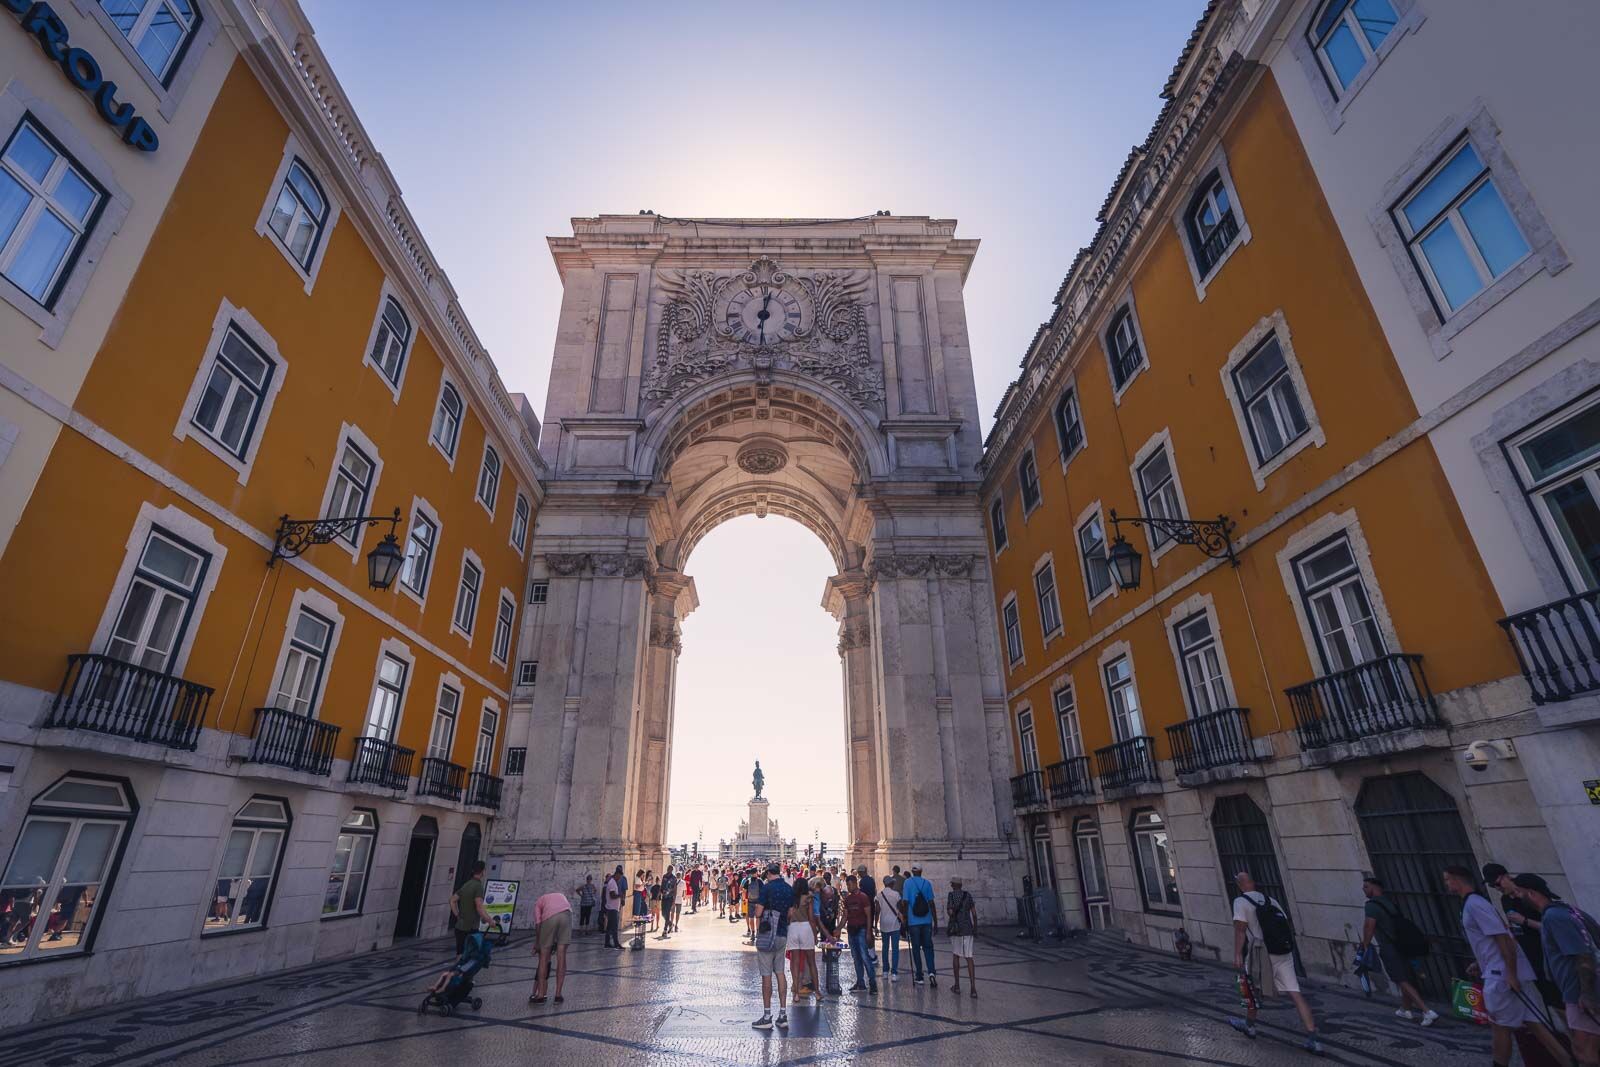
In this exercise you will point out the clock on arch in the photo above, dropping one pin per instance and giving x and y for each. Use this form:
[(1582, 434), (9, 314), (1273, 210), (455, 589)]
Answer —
[(763, 315)]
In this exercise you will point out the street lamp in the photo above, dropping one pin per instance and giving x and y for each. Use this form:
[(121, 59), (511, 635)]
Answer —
[(1211, 536), (383, 562)]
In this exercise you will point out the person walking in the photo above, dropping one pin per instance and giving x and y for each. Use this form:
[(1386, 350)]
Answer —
[(611, 908), (1568, 938), (918, 915), (466, 907), (1523, 918), (669, 898), (870, 887), (1263, 954), (858, 924), (771, 910), (586, 899), (1498, 961), (695, 877), (889, 929), (961, 912), (802, 944), (552, 921), (1397, 938)]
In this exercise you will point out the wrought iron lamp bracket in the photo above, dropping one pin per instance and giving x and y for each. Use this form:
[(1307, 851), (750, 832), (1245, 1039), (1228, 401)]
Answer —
[(297, 535), (1214, 537)]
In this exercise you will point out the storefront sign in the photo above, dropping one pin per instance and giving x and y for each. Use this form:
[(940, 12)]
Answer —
[(82, 71), (500, 900)]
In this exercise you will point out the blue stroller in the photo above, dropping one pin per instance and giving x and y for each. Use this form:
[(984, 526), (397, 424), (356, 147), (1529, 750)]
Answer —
[(454, 986)]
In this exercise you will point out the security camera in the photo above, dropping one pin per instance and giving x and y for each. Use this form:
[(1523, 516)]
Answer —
[(1479, 753)]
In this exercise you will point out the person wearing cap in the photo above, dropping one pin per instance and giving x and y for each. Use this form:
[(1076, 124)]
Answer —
[(961, 912), (920, 912), (1569, 937), (1523, 918), (1500, 963), (775, 896)]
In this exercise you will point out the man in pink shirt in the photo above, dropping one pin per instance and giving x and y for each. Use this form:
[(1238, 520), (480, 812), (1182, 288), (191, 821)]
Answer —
[(552, 919)]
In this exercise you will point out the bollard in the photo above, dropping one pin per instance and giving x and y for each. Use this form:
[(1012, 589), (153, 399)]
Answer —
[(830, 961)]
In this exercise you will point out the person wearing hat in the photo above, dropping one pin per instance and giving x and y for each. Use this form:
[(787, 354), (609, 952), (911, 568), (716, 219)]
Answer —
[(921, 912), (1569, 938), (961, 912), (1523, 918)]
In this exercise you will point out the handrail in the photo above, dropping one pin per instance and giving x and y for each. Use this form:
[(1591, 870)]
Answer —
[(1379, 696), (1127, 763), (1027, 789), (112, 696), (285, 738), (1217, 739), (1558, 646), (483, 790), (379, 762), (1069, 778), (441, 778)]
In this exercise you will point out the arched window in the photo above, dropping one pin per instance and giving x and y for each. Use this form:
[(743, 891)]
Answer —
[(1158, 868), (1069, 425), (1092, 873), (1122, 342), (248, 869), (489, 477), (1212, 223), (352, 862), (392, 339), (300, 214), (447, 420), (62, 867)]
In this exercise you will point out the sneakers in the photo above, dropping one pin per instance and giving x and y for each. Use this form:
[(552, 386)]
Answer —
[(933, 981), (1244, 1026), (763, 1023), (873, 988), (1405, 1013), (783, 1020), (858, 987), (892, 976), (1313, 1046), (1430, 1017), (917, 980)]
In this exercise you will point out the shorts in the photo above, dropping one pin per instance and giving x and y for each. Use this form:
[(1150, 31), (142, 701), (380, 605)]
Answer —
[(961, 945), (555, 930), (1396, 966), (1273, 974), (770, 962), (1505, 1008), (1580, 1020)]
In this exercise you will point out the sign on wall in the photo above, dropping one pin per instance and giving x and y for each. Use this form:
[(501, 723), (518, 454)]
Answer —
[(500, 900), (83, 71)]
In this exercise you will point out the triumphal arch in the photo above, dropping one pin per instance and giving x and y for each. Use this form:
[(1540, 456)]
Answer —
[(815, 369)]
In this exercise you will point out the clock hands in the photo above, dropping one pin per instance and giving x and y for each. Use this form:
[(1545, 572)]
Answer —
[(764, 314)]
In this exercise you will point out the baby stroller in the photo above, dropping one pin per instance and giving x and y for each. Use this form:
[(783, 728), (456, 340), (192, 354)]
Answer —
[(455, 985)]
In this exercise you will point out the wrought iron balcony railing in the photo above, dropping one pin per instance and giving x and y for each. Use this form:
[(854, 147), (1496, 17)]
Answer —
[(1558, 647), (110, 696), (1027, 790), (289, 739), (441, 778), (1219, 739), (483, 790), (1069, 778), (1379, 696), (1127, 763), (1217, 242), (379, 762)]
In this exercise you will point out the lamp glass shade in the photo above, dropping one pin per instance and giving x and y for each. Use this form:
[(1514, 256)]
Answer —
[(384, 563), (1125, 563)]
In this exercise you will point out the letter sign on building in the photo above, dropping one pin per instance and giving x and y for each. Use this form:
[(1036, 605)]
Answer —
[(83, 71)]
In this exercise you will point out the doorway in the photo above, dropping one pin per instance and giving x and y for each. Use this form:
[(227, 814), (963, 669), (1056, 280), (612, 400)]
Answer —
[(414, 884), (1244, 843), (471, 842), (1092, 874)]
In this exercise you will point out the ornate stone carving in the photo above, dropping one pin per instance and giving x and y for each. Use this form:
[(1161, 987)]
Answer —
[(854, 634), (665, 635), (601, 565), (764, 455), (916, 565), (566, 565), (697, 340)]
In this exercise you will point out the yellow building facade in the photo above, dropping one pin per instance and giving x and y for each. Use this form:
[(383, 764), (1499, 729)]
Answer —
[(268, 764), (1291, 695)]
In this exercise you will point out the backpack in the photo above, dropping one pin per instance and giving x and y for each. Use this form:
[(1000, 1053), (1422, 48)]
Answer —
[(1275, 931), (1409, 940), (919, 906), (767, 937)]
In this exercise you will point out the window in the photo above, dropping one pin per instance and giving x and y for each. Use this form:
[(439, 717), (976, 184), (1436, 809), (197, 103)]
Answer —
[(159, 603), (1346, 35), (1558, 463), (1273, 412), (352, 863), (249, 867), (392, 340), (1122, 343), (1202, 665), (516, 761), (1067, 723), (1092, 873), (383, 715), (483, 755), (48, 205), (61, 868), (1028, 480), (1158, 870), (1459, 231), (442, 738), (538, 592), (447, 421), (519, 524), (489, 477), (1029, 743), (1212, 223), (159, 30), (303, 667), (997, 522), (1337, 605), (352, 487), (299, 215), (421, 542), (528, 672), (1044, 584), (230, 405), (1013, 627), (1159, 489), (1069, 425), (500, 650), (1092, 546), (1126, 722), (467, 597)]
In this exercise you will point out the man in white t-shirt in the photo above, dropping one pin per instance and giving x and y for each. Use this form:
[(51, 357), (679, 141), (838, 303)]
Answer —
[(1265, 969), (1500, 962), (889, 928)]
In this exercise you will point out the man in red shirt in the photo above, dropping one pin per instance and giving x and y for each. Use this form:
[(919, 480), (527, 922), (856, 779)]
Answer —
[(858, 922)]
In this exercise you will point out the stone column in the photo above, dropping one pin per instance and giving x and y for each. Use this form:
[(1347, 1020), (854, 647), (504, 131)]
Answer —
[(848, 599), (671, 598)]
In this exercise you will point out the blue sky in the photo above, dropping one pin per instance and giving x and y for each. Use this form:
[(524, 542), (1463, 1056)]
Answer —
[(502, 121)]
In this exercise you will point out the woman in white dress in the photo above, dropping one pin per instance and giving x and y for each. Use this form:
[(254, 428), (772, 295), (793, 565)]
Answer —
[(802, 942)]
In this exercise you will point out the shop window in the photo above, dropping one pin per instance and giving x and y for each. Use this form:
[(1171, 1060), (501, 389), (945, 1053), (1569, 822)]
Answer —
[(1158, 869), (352, 864), (248, 871)]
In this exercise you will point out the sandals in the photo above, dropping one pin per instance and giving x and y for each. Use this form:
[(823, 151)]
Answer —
[(560, 998), (537, 1000)]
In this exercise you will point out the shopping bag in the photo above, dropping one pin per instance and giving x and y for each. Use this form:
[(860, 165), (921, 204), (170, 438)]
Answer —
[(1466, 1002), (1247, 993)]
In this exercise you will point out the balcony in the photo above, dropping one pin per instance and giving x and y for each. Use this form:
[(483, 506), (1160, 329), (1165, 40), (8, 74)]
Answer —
[(1127, 764), (1027, 790), (440, 778), (288, 739), (1558, 647), (483, 790), (381, 763), (1365, 706), (109, 696), (1217, 242), (1220, 739), (1069, 780)]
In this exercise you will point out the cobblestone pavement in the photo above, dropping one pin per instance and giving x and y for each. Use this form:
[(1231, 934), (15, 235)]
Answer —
[(1091, 1001)]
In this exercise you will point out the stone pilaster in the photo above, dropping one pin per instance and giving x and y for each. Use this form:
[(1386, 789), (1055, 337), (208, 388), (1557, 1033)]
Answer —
[(847, 597)]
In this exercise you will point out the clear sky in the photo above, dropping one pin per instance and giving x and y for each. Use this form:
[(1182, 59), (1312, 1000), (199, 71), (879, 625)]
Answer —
[(502, 121)]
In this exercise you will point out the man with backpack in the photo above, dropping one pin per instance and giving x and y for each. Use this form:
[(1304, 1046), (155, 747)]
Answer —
[(771, 910), (1568, 938), (1399, 943), (1263, 954), (920, 915)]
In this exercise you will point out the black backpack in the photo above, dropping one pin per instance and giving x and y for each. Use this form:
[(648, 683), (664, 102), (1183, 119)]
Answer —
[(1409, 940), (919, 907), (1275, 931)]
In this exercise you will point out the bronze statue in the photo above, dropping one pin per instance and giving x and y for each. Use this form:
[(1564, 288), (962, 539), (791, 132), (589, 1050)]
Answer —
[(758, 778)]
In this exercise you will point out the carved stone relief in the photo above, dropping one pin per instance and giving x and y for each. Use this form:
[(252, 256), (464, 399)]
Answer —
[(764, 455), (918, 565), (601, 565)]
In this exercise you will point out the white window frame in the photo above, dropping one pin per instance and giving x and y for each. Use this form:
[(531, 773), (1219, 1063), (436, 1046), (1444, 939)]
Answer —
[(328, 609), (448, 683), (497, 653), (488, 716), (1309, 537), (170, 89), (1027, 461), (1157, 443), (352, 435), (483, 473), (1007, 630), (1071, 740), (257, 827), (1053, 605), (1273, 325), (521, 516), (293, 150), (468, 557), (392, 648), (1109, 655), (342, 879), (1136, 834), (999, 536), (1330, 98), (1193, 607), (1125, 303), (538, 592), (421, 511), (1027, 742), (1069, 392), (1533, 489), (231, 317), (45, 202), (387, 293), (527, 678), (1090, 597), (449, 454), (1217, 161), (16, 101)]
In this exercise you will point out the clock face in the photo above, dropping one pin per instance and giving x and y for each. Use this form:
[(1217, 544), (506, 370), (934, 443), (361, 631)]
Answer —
[(763, 316)]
